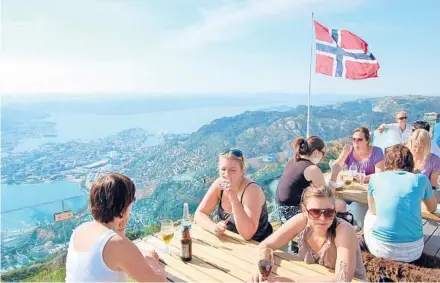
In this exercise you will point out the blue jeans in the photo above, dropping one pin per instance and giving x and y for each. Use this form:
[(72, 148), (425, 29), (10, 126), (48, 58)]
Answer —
[(358, 210)]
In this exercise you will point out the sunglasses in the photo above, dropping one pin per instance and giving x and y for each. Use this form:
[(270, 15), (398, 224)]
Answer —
[(233, 151), (356, 140), (316, 213), (402, 118)]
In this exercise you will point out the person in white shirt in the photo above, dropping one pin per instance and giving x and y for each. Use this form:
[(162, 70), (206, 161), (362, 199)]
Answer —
[(400, 128), (98, 250)]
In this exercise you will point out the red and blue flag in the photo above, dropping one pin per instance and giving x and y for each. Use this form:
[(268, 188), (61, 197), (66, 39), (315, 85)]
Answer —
[(340, 53)]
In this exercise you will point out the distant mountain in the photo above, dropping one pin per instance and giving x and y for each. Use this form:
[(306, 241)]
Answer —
[(261, 133)]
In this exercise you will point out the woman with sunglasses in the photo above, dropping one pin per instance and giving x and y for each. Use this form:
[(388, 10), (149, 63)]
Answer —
[(366, 157), (400, 129), (322, 238), (98, 250), (240, 202)]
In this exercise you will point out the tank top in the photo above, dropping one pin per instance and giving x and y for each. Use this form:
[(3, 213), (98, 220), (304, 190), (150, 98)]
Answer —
[(292, 183), (326, 256), (90, 266), (264, 229)]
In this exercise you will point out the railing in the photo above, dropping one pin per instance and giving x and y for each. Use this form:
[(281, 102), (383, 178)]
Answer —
[(31, 234)]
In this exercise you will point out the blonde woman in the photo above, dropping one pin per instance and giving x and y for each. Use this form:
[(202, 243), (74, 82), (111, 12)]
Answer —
[(240, 202), (424, 161), (322, 239)]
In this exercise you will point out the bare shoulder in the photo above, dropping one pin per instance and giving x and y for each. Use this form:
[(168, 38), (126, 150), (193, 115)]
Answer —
[(313, 169), (253, 192), (345, 231)]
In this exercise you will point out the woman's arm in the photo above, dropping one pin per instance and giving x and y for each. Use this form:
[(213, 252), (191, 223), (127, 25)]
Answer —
[(314, 174), (207, 206), (343, 156), (434, 179), (124, 255), (371, 205), (286, 232), (379, 166), (346, 247), (247, 215)]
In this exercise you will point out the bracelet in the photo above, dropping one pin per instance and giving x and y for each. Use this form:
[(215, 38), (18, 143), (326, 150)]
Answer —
[(333, 184)]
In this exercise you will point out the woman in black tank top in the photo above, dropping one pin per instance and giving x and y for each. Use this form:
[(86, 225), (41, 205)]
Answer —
[(299, 173), (241, 204)]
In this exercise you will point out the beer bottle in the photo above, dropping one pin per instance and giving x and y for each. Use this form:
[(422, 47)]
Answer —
[(186, 244)]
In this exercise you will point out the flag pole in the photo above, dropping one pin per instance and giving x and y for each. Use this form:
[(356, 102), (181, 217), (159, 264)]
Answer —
[(310, 80)]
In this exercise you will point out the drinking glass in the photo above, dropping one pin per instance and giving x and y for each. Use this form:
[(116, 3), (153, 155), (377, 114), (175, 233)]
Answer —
[(353, 170), (361, 175), (265, 263), (167, 232)]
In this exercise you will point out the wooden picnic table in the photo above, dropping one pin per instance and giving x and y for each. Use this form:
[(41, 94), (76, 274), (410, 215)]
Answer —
[(225, 258), (359, 193)]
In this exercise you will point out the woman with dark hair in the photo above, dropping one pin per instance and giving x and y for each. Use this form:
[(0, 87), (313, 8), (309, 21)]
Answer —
[(362, 154), (322, 239), (300, 173), (98, 250), (393, 226), (240, 202), (366, 157)]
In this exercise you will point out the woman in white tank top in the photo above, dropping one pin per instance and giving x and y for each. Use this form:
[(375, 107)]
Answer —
[(98, 250)]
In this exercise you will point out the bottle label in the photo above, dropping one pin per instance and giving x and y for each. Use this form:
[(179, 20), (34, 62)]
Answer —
[(185, 251)]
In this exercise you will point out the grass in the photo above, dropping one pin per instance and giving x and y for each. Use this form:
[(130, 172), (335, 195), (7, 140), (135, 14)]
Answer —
[(54, 270)]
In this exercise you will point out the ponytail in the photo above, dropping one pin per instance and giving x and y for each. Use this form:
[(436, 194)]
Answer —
[(301, 147), (305, 147)]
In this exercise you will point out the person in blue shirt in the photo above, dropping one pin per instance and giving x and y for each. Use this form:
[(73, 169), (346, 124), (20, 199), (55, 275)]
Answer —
[(393, 225)]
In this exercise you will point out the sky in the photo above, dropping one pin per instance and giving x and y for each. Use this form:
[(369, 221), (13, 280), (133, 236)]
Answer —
[(158, 47)]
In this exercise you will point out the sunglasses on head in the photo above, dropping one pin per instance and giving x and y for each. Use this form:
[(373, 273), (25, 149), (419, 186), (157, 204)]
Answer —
[(233, 151), (316, 213), (402, 118)]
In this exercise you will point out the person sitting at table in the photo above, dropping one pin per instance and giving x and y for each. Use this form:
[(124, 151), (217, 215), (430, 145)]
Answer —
[(366, 157), (299, 173), (240, 202), (435, 149), (393, 224), (98, 250), (424, 161), (322, 238)]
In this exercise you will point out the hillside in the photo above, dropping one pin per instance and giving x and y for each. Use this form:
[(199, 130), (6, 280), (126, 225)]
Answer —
[(261, 133)]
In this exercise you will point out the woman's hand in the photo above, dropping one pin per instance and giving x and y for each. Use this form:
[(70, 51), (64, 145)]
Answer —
[(220, 228)]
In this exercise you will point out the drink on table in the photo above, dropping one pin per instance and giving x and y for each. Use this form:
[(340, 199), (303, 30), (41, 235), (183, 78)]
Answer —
[(186, 245), (167, 232), (265, 263), (348, 179), (186, 220)]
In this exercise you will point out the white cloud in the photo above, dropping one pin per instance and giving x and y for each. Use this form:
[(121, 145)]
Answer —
[(228, 20)]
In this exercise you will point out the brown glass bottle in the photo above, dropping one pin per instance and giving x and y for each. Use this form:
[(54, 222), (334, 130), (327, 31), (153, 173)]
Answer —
[(186, 244)]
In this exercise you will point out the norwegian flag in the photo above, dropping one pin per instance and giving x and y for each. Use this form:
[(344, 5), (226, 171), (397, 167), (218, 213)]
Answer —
[(340, 53)]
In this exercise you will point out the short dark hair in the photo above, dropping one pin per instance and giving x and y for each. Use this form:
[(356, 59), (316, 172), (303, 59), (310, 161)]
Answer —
[(399, 157), (420, 125), (363, 130), (110, 197)]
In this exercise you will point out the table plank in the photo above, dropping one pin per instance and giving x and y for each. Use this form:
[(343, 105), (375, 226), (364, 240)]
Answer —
[(288, 261), (359, 193), (176, 263), (432, 240), (215, 257)]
